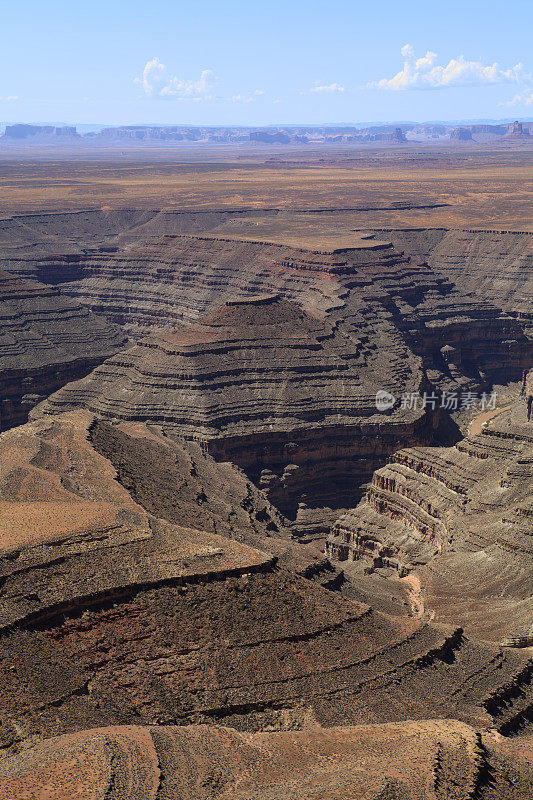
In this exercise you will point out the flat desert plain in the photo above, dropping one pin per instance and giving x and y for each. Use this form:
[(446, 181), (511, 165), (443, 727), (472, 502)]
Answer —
[(408, 186)]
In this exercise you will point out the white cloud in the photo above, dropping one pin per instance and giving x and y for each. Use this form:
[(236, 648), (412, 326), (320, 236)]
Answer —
[(157, 81), (333, 87), (425, 73), (526, 99), (9, 98)]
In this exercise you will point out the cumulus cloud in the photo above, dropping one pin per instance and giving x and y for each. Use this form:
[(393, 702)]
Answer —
[(332, 88), (156, 81), (426, 73), (525, 99), (9, 98)]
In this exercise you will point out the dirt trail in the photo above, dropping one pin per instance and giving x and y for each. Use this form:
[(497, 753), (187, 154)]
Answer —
[(476, 425)]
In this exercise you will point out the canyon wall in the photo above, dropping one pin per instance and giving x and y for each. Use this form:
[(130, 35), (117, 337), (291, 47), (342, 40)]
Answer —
[(114, 615), (494, 265), (260, 383), (46, 340), (458, 522)]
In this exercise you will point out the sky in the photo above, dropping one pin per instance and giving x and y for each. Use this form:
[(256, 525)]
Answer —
[(231, 62)]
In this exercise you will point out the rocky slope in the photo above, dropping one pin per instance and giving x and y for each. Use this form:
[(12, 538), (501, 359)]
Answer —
[(495, 265), (284, 395), (358, 281), (433, 760), (112, 614), (148, 575), (456, 524), (46, 340)]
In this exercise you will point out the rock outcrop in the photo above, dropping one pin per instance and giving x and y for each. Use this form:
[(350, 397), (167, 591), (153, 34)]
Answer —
[(112, 614), (456, 523), (46, 340), (358, 281), (63, 249), (160, 626), (301, 416), (286, 396), (516, 130), (496, 266), (461, 134), (528, 393)]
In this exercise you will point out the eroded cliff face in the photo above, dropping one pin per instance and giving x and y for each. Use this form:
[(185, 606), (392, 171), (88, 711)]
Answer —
[(112, 615), (288, 397), (528, 394), (46, 340), (148, 582), (166, 280), (494, 265), (455, 523), (260, 383)]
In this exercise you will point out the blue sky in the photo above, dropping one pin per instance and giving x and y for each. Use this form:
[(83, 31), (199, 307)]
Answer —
[(233, 62)]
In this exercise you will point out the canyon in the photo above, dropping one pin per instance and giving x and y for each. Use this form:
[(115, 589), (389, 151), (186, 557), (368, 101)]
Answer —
[(46, 339), (245, 546)]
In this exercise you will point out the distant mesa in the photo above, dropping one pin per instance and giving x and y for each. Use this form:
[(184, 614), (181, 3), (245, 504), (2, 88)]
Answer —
[(516, 130), (393, 134), (462, 134), (265, 137), (48, 131)]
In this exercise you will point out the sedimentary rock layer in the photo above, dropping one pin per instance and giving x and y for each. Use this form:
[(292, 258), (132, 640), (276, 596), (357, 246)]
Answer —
[(494, 265), (46, 340), (113, 615), (284, 395), (459, 521), (433, 760), (165, 280)]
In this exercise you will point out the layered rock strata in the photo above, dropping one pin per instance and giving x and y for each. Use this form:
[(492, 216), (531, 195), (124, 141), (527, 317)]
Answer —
[(260, 383), (175, 278), (112, 615), (46, 340), (494, 265), (459, 522)]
